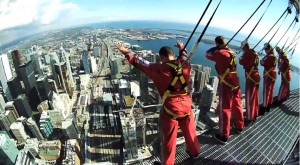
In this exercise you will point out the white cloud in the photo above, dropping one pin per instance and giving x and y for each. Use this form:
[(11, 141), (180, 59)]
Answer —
[(21, 12)]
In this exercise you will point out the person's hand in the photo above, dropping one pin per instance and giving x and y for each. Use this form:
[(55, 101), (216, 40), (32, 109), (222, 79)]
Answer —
[(179, 44), (122, 48)]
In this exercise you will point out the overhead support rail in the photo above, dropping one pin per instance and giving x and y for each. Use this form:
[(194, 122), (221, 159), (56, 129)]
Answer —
[(194, 48), (288, 9), (296, 3), (246, 22)]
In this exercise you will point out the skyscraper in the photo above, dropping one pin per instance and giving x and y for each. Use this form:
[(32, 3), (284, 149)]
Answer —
[(36, 63), (70, 128), (85, 62), (43, 87), (5, 75), (22, 106), (15, 87), (93, 64), (63, 76), (2, 104), (9, 106), (96, 51), (17, 60), (34, 129), (32, 145), (28, 76), (144, 86), (8, 149), (53, 60), (19, 132), (46, 125)]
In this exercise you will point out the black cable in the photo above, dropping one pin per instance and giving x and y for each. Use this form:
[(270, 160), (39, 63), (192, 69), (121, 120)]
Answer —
[(288, 36), (271, 27), (294, 20), (246, 22), (259, 20), (278, 28), (204, 30), (186, 44), (293, 40)]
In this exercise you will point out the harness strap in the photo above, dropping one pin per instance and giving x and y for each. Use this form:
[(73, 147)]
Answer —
[(284, 75), (174, 116), (248, 76), (267, 73)]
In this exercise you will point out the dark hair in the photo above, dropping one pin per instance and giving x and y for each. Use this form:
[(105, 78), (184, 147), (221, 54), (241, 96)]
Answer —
[(166, 51), (220, 40), (247, 46), (267, 46)]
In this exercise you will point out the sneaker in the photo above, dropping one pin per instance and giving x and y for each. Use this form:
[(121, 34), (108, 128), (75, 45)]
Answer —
[(220, 138), (156, 163), (239, 131)]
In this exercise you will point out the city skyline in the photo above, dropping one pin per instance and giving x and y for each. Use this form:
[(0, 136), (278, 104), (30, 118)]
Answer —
[(46, 15)]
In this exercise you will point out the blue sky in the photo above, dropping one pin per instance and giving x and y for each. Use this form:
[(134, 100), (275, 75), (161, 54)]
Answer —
[(19, 17)]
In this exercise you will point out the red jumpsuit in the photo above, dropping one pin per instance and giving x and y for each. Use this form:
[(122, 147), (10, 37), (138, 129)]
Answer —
[(229, 99), (162, 75), (250, 61), (269, 63), (284, 68)]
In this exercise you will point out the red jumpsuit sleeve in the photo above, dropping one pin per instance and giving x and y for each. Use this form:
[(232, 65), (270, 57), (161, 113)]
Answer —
[(243, 59), (140, 63), (210, 54)]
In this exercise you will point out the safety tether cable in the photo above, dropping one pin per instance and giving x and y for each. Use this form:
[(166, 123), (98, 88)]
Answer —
[(197, 25), (246, 22), (294, 20), (194, 48), (288, 37), (278, 28), (259, 20), (288, 9), (293, 40)]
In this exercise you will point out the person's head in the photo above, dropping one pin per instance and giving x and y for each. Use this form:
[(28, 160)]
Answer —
[(245, 45), (268, 48), (166, 53), (220, 40), (278, 50)]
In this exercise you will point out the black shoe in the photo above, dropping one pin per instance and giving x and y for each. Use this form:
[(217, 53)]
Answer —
[(239, 131), (254, 119), (156, 163), (262, 111), (248, 122), (195, 157), (268, 108), (220, 138)]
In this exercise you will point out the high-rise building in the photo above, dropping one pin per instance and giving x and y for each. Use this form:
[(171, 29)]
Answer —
[(144, 86), (130, 140), (32, 145), (46, 125), (4, 122), (115, 67), (9, 106), (14, 87), (5, 75), (85, 62), (8, 149), (43, 87), (18, 130), (196, 115), (17, 60), (71, 79), (22, 106), (49, 150), (93, 64), (28, 76), (53, 85), (214, 82), (206, 99), (96, 51), (53, 60), (2, 104), (64, 79), (70, 128), (36, 63), (34, 129), (25, 158)]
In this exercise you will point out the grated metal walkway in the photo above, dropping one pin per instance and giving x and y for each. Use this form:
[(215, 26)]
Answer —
[(269, 140)]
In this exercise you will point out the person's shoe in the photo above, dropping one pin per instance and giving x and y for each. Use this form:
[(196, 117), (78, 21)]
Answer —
[(220, 138), (239, 131), (156, 163), (262, 111), (268, 108), (195, 157), (254, 119), (247, 122)]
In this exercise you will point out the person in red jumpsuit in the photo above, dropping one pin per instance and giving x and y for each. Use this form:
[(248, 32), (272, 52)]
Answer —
[(269, 64), (284, 70), (177, 103), (228, 89), (249, 60)]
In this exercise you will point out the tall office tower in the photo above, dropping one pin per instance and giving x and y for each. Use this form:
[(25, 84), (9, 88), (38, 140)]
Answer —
[(201, 81), (94, 38), (17, 60), (214, 82), (32, 145), (115, 67), (43, 87), (207, 70), (130, 140), (22, 106), (64, 79), (192, 81), (6, 120), (206, 99), (53, 85), (28, 76), (34, 129), (18, 130), (53, 61), (14, 87), (196, 115), (67, 60), (197, 68), (45, 59), (36, 63), (70, 128), (5, 75), (85, 62), (144, 86), (9, 106), (2, 104), (93, 64), (8, 149), (96, 51), (46, 125), (25, 158)]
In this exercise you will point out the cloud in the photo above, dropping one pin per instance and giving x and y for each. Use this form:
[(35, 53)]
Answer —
[(20, 12)]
